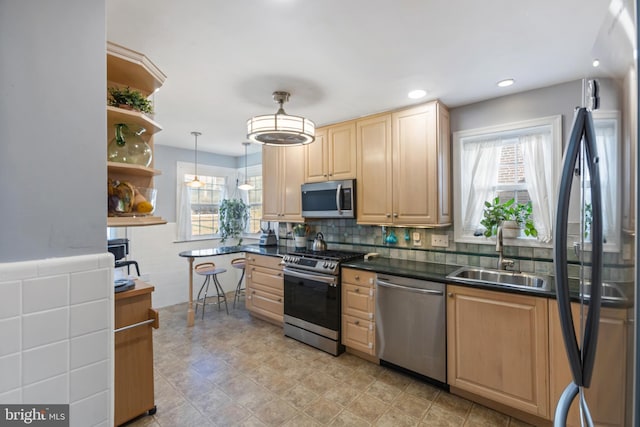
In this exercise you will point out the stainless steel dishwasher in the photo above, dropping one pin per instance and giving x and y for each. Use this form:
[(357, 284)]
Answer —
[(410, 325)]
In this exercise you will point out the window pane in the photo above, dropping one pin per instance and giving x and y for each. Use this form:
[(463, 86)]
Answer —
[(204, 204)]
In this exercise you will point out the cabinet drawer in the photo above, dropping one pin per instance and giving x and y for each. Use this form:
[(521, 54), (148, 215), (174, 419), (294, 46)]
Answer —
[(358, 277), (358, 334), (266, 304), (266, 277), (265, 261), (358, 301)]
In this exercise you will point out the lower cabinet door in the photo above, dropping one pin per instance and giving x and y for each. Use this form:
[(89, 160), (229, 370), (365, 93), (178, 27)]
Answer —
[(358, 334), (267, 304)]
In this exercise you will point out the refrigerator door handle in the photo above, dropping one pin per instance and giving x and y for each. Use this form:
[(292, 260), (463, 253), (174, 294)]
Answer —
[(581, 365)]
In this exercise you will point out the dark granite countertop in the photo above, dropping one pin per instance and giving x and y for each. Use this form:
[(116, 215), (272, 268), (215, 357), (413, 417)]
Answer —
[(225, 250)]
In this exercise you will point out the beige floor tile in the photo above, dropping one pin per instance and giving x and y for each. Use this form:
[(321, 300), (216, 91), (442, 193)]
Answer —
[(453, 404), (383, 391), (440, 417), (347, 418), (299, 396), (322, 410), (412, 405), (368, 407), (482, 416), (232, 370), (396, 418), (517, 423), (275, 412)]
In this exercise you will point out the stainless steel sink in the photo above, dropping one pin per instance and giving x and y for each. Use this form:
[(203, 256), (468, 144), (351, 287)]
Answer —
[(500, 277), (610, 292)]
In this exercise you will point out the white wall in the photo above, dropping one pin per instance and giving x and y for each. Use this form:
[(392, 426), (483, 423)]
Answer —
[(52, 129), (155, 250)]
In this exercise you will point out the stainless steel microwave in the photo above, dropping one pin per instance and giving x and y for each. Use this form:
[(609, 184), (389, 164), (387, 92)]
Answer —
[(329, 199)]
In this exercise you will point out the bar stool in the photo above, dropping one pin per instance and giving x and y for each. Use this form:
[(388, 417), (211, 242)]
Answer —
[(210, 273), (240, 264)]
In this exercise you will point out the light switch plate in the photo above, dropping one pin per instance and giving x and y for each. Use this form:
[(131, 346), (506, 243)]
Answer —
[(440, 240), (417, 241)]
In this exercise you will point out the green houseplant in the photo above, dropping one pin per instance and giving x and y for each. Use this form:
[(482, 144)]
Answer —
[(126, 96), (300, 235), (496, 213), (234, 215)]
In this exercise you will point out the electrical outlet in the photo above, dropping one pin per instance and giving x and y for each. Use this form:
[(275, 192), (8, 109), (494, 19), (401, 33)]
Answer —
[(440, 240), (417, 240)]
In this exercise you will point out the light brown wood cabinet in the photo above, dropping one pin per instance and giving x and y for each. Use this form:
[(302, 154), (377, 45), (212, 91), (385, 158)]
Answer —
[(282, 176), (332, 156), (497, 347), (133, 382), (404, 167), (607, 395), (358, 310), (126, 67), (265, 287)]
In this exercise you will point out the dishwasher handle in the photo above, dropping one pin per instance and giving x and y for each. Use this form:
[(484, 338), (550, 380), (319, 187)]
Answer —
[(407, 288)]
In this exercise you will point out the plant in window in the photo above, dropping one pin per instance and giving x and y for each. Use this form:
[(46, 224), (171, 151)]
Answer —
[(119, 97), (588, 219), (234, 214), (495, 213)]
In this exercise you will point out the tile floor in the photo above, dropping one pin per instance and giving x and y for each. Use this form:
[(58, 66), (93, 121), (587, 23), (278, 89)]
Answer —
[(234, 369)]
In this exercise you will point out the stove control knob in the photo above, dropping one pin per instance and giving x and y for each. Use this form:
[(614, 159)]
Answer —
[(333, 266)]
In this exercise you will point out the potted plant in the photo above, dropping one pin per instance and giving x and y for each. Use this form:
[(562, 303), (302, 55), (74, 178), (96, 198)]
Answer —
[(129, 98), (300, 232), (233, 214), (511, 215)]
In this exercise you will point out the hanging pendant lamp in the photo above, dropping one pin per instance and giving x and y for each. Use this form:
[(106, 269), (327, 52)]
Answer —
[(246, 185), (280, 128), (196, 183)]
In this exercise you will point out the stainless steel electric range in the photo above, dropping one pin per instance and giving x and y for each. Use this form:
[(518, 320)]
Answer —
[(312, 297)]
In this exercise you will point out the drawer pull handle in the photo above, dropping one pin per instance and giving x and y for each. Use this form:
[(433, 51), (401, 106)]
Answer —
[(357, 277), (450, 294), (279, 299), (357, 290), (135, 325), (357, 322)]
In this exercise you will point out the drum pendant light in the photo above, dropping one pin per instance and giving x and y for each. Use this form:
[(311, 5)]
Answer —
[(280, 128)]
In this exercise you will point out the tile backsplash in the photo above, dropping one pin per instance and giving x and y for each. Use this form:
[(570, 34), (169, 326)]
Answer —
[(348, 235), (56, 335)]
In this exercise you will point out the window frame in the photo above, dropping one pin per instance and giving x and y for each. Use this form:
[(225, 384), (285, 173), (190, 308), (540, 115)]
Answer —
[(514, 128)]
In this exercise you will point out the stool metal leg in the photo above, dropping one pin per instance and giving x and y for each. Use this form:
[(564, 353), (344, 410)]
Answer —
[(239, 288), (205, 287), (221, 295)]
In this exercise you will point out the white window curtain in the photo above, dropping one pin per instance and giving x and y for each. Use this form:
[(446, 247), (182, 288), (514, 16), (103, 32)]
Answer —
[(183, 217), (479, 173), (607, 145), (540, 178)]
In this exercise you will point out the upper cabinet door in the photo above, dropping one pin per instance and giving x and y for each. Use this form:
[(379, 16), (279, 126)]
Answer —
[(271, 197), (332, 156), (316, 158), (341, 140), (421, 159), (374, 183), (292, 170)]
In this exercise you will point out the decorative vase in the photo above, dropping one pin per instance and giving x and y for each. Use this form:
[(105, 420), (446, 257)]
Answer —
[(300, 241), (128, 146), (510, 229)]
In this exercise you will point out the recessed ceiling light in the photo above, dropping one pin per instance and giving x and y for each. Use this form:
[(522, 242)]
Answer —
[(506, 82), (596, 62), (417, 94)]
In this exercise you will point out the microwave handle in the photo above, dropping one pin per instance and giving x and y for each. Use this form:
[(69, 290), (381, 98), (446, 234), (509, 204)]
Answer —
[(338, 204)]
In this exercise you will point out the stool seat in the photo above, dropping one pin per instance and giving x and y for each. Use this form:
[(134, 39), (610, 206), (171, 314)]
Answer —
[(238, 263), (210, 273)]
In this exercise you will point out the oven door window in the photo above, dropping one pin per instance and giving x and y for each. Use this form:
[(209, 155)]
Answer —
[(313, 301)]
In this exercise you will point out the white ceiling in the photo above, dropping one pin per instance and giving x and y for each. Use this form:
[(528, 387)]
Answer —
[(343, 59)]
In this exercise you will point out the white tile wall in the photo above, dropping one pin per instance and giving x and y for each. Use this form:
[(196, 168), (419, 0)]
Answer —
[(56, 335)]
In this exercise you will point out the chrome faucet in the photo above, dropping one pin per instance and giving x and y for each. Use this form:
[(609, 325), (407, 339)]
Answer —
[(502, 262)]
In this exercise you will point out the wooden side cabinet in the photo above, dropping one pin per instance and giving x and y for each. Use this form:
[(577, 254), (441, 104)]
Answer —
[(134, 318), (498, 347), (606, 396), (358, 310), (265, 288)]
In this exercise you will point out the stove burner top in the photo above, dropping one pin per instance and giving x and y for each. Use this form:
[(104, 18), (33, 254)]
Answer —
[(327, 255), (327, 262)]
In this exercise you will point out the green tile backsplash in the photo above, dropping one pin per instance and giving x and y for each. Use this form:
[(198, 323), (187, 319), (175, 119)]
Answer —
[(345, 234)]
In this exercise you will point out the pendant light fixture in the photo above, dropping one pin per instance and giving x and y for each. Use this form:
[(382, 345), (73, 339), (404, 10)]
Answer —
[(196, 183), (246, 185), (280, 128)]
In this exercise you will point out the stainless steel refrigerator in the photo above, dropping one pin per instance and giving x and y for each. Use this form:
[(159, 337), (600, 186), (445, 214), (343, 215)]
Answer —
[(595, 257)]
